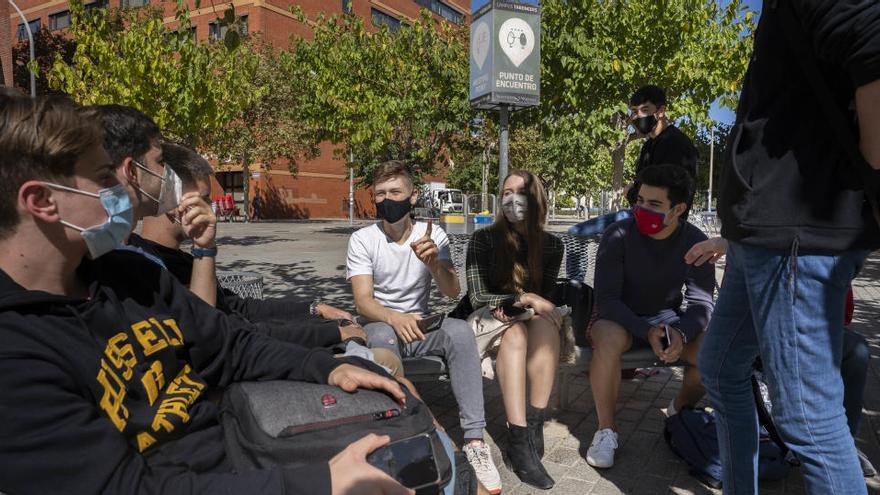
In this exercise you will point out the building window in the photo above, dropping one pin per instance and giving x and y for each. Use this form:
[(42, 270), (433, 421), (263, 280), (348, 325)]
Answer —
[(217, 31), (177, 32), (134, 4), (61, 20), (347, 6), (100, 4), (22, 34), (443, 9), (382, 19)]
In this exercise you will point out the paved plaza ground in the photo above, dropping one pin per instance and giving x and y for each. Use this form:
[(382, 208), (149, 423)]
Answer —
[(307, 259)]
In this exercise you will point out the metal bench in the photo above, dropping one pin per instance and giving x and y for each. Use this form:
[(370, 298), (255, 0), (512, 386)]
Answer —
[(244, 284)]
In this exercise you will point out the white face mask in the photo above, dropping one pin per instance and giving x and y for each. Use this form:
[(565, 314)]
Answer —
[(515, 207), (107, 236), (171, 191)]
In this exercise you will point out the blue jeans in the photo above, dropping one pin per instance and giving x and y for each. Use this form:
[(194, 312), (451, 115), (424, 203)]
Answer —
[(787, 309)]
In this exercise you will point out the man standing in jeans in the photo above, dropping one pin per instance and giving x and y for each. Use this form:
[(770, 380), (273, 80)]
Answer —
[(793, 207)]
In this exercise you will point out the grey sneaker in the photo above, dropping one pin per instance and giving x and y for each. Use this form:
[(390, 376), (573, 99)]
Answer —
[(479, 455), (601, 453)]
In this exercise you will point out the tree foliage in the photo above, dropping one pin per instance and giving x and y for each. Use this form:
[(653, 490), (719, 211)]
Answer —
[(268, 128), (595, 53), (129, 57), (384, 95), (47, 46)]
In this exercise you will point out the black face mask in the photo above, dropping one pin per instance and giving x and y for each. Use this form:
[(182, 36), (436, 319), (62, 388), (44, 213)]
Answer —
[(645, 124), (392, 211)]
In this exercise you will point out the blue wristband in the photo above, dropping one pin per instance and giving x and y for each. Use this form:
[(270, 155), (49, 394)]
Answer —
[(198, 252)]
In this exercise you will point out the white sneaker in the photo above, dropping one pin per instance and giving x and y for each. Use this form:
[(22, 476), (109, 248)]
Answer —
[(480, 456), (601, 453)]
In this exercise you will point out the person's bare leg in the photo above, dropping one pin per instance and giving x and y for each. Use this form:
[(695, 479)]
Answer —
[(510, 368), (691, 388), (542, 360), (610, 340)]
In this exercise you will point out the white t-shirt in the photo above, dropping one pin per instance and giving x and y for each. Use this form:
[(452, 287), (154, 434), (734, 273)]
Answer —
[(400, 280)]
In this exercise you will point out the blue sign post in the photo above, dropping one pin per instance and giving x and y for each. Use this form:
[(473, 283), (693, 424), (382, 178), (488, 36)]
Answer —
[(505, 60)]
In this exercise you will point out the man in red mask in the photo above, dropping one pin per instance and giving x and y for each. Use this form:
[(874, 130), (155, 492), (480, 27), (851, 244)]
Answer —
[(640, 272)]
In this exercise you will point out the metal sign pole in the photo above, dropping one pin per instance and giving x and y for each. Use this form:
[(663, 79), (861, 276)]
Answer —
[(504, 146)]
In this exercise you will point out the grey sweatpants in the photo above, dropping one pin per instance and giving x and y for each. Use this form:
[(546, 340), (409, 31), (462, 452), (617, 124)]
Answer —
[(454, 342)]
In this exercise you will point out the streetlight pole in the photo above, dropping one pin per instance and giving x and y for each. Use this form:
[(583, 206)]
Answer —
[(711, 165), (351, 188), (503, 146), (27, 28)]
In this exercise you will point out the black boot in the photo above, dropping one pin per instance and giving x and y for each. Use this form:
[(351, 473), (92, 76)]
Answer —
[(523, 460), (535, 420)]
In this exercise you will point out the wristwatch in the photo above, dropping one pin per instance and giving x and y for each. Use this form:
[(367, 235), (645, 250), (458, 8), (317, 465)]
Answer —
[(313, 308), (198, 252), (684, 339)]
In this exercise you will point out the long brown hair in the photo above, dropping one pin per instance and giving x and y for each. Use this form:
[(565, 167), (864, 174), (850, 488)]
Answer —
[(521, 278)]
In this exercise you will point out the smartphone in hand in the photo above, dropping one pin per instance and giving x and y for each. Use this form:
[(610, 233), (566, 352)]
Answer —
[(666, 341), (410, 461), (430, 323), (511, 310)]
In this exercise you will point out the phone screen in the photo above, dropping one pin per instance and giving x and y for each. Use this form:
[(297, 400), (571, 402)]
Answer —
[(410, 461)]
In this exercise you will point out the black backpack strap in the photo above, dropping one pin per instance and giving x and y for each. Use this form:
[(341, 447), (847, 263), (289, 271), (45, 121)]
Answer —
[(799, 43), (764, 418)]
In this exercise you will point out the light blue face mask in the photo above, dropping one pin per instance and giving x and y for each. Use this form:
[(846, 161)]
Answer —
[(103, 238)]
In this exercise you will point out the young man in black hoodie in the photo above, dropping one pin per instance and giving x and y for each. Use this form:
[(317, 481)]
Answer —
[(794, 209), (665, 144), (105, 357)]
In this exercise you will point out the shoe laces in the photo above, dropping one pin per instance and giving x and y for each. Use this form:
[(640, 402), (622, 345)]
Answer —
[(479, 454), (605, 438)]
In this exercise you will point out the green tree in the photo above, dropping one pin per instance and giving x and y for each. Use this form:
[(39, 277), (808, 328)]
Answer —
[(267, 128), (131, 58), (384, 95), (595, 53), (47, 46)]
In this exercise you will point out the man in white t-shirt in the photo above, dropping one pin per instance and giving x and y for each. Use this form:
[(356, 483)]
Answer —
[(391, 265)]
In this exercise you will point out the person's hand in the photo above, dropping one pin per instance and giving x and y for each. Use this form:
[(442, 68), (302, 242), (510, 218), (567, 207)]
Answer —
[(425, 248), (351, 330), (709, 250), (655, 337), (406, 326), (197, 219), (332, 313), (542, 308), (350, 474), (673, 352), (349, 377)]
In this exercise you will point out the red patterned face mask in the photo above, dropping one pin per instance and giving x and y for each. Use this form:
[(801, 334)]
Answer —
[(649, 222)]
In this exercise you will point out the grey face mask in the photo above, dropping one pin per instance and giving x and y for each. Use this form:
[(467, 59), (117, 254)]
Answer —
[(515, 207), (169, 194)]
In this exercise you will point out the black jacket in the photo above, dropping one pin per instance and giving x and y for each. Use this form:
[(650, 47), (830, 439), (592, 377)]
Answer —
[(106, 394), (670, 147), (284, 319), (789, 183)]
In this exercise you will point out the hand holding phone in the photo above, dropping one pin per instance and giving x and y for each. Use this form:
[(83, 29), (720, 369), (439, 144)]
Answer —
[(410, 461)]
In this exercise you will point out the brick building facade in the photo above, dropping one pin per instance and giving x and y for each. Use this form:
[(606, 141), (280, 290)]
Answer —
[(320, 189)]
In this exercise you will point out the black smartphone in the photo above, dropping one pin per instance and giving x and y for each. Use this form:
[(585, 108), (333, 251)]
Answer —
[(510, 310), (410, 461), (666, 341), (430, 323)]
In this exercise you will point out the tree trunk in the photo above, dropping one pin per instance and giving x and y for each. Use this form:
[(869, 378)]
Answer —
[(618, 157), (246, 170)]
